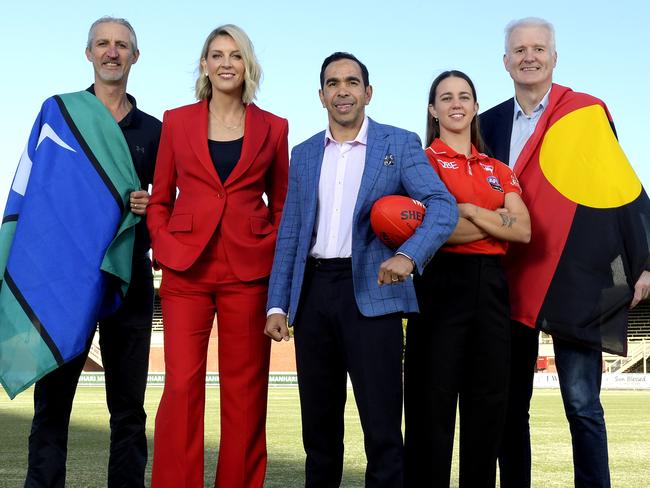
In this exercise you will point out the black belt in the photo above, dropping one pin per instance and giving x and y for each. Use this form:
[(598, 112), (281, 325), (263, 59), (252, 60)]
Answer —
[(332, 264)]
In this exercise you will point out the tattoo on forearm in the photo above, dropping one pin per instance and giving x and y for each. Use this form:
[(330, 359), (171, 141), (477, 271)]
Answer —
[(507, 220)]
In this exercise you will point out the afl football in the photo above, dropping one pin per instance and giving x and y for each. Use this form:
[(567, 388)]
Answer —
[(394, 219)]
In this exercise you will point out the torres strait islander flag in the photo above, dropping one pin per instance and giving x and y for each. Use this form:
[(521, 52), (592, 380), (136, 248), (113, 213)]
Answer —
[(66, 240), (590, 227)]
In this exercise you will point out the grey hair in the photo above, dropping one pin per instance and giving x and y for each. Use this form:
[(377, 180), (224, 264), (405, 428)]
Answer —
[(529, 22), (107, 19)]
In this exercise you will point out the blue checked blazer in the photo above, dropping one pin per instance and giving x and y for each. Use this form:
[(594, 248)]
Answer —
[(408, 172)]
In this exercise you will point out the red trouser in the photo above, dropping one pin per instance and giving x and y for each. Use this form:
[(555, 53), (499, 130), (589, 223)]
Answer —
[(190, 301)]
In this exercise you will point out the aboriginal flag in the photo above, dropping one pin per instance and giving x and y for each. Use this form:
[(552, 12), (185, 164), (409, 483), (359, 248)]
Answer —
[(591, 226), (66, 240)]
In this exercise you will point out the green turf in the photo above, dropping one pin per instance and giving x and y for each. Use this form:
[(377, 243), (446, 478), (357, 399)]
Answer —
[(628, 419)]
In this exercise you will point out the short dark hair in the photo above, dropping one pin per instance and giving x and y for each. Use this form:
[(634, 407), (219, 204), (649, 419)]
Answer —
[(433, 127), (337, 56)]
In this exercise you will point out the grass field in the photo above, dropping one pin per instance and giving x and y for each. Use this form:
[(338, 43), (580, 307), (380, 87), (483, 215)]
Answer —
[(628, 420)]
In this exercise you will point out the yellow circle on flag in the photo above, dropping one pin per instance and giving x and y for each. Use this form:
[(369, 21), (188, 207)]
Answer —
[(582, 159)]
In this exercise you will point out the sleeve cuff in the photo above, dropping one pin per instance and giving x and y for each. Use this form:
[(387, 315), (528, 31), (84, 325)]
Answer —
[(415, 267), (276, 310)]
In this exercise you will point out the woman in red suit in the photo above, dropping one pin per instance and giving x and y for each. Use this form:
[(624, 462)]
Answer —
[(213, 235)]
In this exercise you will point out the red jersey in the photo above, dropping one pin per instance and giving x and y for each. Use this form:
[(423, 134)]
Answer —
[(480, 180)]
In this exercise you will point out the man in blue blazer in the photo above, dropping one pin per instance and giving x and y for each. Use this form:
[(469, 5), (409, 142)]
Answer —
[(343, 290)]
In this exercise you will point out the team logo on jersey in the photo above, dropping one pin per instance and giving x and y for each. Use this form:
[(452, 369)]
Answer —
[(494, 183), (514, 181), (487, 167), (447, 164)]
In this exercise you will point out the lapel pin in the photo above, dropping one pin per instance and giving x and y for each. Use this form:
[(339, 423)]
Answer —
[(389, 160)]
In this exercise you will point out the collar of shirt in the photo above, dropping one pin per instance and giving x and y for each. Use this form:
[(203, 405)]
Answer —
[(439, 148), (523, 127), (338, 188), (126, 121), (519, 112), (362, 136)]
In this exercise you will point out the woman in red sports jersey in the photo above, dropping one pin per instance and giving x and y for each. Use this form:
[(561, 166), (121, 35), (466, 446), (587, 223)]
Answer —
[(457, 348)]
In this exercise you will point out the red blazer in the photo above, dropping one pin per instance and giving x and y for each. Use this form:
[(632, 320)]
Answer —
[(182, 226)]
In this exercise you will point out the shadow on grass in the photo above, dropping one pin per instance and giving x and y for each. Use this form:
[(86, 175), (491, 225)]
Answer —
[(14, 430), (88, 452), (282, 472), (628, 424)]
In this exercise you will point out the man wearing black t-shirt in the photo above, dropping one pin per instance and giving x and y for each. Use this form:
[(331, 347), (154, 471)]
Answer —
[(124, 335)]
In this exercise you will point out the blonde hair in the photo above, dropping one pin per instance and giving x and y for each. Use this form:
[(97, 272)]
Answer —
[(253, 71)]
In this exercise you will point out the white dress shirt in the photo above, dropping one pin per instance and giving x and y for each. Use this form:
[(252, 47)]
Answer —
[(523, 127), (338, 189)]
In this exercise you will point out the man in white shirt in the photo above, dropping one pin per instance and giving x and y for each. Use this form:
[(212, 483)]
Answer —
[(343, 290)]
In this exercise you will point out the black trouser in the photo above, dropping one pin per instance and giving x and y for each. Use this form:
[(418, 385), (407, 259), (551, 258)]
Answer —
[(457, 352), (515, 452), (124, 340), (332, 339)]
